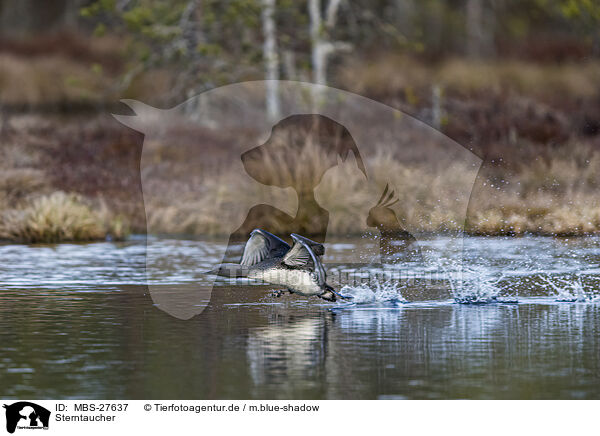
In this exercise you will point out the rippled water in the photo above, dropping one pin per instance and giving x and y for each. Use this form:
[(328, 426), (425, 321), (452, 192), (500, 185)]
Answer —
[(518, 318)]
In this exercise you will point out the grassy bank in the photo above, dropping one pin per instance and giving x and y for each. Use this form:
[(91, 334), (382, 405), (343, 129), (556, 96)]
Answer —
[(535, 126), (40, 199), (84, 184)]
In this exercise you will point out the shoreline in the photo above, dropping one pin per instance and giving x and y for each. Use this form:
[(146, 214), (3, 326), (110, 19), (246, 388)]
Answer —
[(142, 238)]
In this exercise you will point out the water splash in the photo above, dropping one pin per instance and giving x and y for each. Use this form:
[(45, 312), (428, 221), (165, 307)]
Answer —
[(567, 291), (477, 285), (388, 292)]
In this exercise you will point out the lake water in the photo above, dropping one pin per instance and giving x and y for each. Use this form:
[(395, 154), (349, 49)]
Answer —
[(79, 321)]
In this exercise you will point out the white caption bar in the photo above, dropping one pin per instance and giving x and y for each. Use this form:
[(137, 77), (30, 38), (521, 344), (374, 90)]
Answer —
[(78, 417)]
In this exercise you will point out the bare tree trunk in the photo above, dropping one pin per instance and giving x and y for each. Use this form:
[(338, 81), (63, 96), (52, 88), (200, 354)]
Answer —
[(316, 38), (321, 46), (271, 59), (480, 36), (404, 11), (331, 14)]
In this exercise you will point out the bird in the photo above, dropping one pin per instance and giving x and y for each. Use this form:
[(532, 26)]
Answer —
[(269, 258)]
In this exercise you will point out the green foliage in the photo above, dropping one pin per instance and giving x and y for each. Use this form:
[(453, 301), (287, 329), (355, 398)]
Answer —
[(100, 29), (212, 41), (201, 40), (98, 7), (587, 9)]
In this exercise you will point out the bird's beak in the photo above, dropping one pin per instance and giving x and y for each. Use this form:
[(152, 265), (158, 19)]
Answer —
[(343, 297)]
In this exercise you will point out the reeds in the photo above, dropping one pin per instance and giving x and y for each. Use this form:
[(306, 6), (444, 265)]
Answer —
[(558, 197), (552, 197), (32, 210), (58, 217)]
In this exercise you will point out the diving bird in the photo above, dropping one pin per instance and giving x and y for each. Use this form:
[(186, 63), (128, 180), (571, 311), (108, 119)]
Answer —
[(269, 258)]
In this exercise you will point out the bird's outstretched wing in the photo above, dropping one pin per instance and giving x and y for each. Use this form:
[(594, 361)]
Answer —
[(301, 255), (316, 247), (262, 245)]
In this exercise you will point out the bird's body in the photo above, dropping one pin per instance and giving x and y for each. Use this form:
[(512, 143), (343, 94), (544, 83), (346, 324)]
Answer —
[(270, 259), (298, 281)]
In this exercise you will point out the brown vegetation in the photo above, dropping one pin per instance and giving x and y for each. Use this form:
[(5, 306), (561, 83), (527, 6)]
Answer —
[(535, 125), (33, 208), (99, 160), (59, 217)]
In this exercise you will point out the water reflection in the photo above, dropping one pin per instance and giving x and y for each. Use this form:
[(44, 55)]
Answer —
[(90, 339), (288, 353), (116, 344)]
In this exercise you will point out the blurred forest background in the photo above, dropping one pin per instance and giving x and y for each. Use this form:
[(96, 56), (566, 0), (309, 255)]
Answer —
[(516, 82)]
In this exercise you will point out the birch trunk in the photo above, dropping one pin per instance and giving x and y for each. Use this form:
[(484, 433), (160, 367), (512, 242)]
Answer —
[(316, 38), (480, 37), (271, 59), (321, 46)]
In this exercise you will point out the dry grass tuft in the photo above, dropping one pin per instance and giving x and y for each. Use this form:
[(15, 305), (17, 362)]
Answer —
[(554, 196), (57, 217)]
